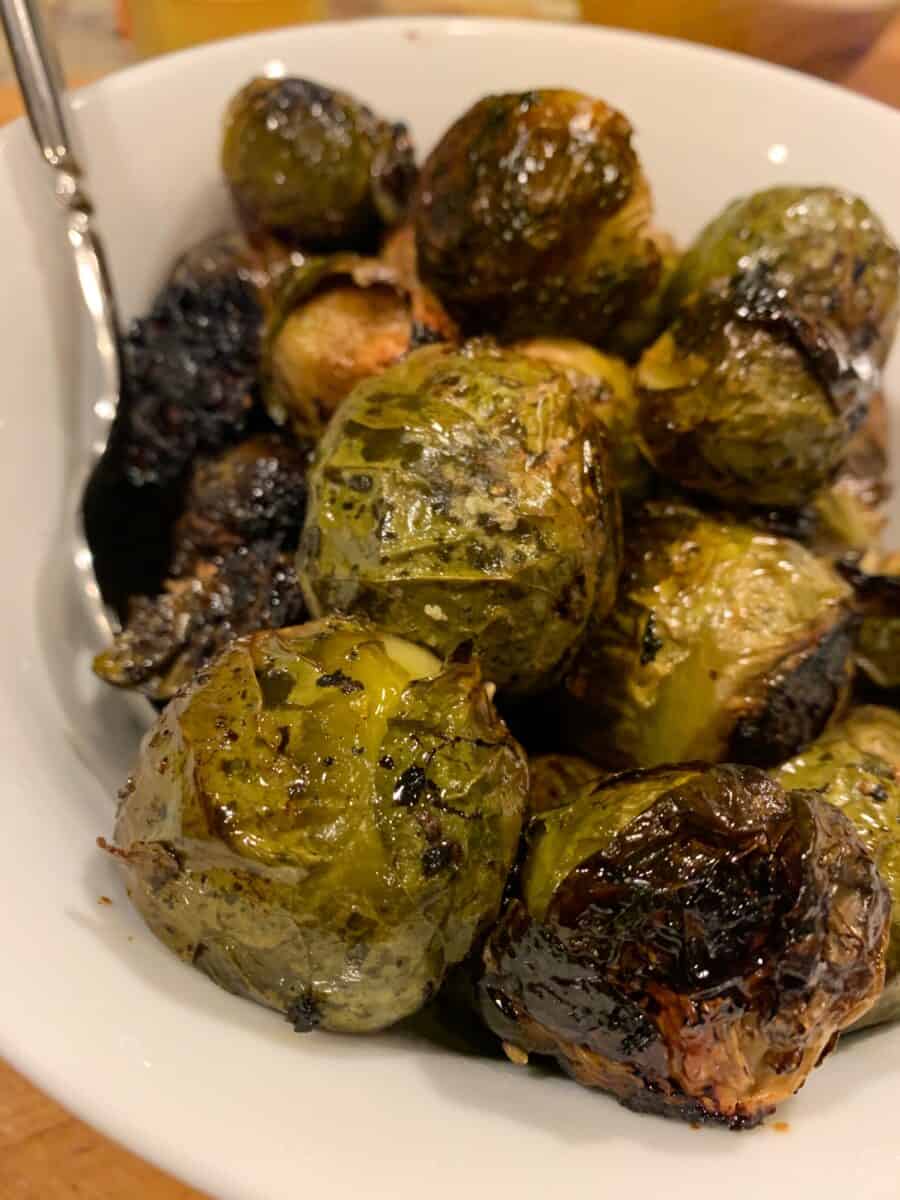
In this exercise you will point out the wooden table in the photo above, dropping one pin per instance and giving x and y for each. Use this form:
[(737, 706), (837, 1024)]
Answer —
[(45, 1154)]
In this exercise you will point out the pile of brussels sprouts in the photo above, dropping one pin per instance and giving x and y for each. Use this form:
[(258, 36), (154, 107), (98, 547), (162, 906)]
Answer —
[(522, 641)]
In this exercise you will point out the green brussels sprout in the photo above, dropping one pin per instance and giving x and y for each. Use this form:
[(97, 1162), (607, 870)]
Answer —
[(336, 321), (462, 500), (855, 765), (532, 217), (824, 247), (726, 644), (313, 165), (785, 310), (877, 600), (691, 939), (731, 409), (615, 406), (555, 777), (324, 821)]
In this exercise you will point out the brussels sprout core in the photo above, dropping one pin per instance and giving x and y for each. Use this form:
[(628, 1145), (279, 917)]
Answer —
[(324, 822)]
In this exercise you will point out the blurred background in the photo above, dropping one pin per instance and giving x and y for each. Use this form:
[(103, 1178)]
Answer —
[(830, 38)]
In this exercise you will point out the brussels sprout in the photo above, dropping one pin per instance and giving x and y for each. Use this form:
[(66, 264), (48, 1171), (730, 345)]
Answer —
[(726, 644), (825, 248), (615, 406), (533, 217), (313, 165), (324, 822), (729, 408), (334, 322), (554, 779), (877, 599), (461, 499), (231, 573), (856, 766), (786, 308), (690, 939)]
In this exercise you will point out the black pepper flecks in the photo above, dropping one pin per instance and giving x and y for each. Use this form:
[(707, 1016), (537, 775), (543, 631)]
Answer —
[(338, 679)]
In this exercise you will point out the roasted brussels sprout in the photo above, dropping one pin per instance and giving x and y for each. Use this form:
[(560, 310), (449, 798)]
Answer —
[(324, 822), (555, 778), (462, 499), (690, 939), (824, 248), (855, 765), (190, 373), (313, 165), (726, 644), (787, 306), (336, 321), (533, 217), (232, 569), (615, 406), (877, 600), (728, 408), (168, 637)]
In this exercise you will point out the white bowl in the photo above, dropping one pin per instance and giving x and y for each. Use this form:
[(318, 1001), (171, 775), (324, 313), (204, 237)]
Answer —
[(220, 1092)]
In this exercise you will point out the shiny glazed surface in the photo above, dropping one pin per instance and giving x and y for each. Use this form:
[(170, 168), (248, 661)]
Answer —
[(164, 1047)]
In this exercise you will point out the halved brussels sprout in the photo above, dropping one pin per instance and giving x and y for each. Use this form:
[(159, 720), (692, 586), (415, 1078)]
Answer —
[(855, 765), (615, 406), (334, 322), (726, 644), (462, 499), (324, 822), (784, 310), (691, 939), (533, 217), (314, 165)]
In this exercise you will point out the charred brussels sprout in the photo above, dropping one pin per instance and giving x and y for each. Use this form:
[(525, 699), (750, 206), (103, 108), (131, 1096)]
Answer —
[(855, 765), (824, 248), (785, 310), (615, 406), (334, 322), (691, 939), (461, 499), (232, 569), (314, 165), (555, 778), (533, 217), (324, 822), (725, 644)]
